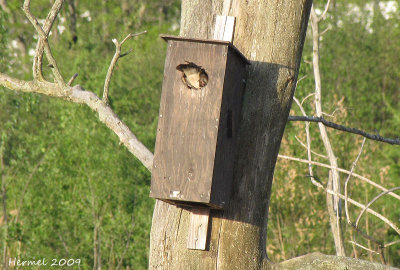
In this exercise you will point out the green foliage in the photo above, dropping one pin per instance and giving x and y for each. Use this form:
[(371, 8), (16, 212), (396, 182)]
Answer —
[(3, 39), (359, 60), (66, 172), (67, 175)]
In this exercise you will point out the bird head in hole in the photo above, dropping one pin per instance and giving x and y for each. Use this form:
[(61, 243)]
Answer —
[(193, 76)]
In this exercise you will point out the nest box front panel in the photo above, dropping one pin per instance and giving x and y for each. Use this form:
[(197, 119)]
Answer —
[(189, 121)]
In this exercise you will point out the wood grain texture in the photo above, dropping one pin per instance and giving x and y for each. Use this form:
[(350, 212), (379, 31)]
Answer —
[(271, 34), (198, 228), (194, 153), (188, 124), (224, 28)]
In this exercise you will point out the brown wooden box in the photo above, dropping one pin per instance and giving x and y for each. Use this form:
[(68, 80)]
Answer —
[(197, 128)]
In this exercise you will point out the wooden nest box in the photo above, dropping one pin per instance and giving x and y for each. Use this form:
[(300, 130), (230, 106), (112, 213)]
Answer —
[(198, 121)]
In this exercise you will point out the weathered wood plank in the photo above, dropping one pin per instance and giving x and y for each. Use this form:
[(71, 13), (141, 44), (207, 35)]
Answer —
[(188, 125), (224, 28), (194, 151), (198, 228), (271, 33)]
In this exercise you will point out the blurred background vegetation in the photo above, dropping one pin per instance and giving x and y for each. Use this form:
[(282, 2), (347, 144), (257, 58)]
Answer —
[(74, 192)]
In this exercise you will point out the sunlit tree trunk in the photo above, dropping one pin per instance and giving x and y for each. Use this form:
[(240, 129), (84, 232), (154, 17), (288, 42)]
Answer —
[(270, 34)]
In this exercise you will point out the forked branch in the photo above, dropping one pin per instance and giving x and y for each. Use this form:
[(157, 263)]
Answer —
[(76, 94), (117, 55), (44, 40), (341, 196), (362, 178)]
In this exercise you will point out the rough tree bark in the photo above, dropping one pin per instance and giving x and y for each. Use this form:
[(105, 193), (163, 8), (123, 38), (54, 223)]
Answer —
[(270, 34)]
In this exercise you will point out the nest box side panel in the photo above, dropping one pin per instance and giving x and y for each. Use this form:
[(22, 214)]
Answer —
[(235, 78), (188, 124)]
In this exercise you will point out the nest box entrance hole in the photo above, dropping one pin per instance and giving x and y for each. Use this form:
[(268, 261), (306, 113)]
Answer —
[(193, 75)]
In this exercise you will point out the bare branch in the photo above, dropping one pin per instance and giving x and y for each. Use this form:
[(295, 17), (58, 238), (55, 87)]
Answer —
[(69, 83), (373, 200), (125, 53), (372, 183), (326, 30), (348, 179), (44, 39), (308, 138), (361, 246), (38, 58), (330, 115), (307, 62), (304, 99), (391, 243), (370, 136), (333, 203), (78, 95), (75, 94), (381, 217), (323, 15), (114, 60), (108, 117), (302, 78), (365, 235), (41, 87), (305, 146), (365, 208)]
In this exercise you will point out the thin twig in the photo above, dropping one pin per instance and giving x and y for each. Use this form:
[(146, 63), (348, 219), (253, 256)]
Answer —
[(374, 137), (353, 246), (326, 30), (348, 179), (47, 50), (333, 202), (302, 78), (359, 205), (304, 99), (323, 15), (365, 235), (47, 25), (361, 246), (72, 79), (78, 94), (366, 227), (342, 171), (305, 146), (391, 243), (280, 238), (113, 63), (307, 62), (330, 115), (373, 200), (308, 137)]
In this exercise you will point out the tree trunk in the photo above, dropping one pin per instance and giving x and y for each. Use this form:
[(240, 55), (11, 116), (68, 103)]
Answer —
[(270, 34)]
